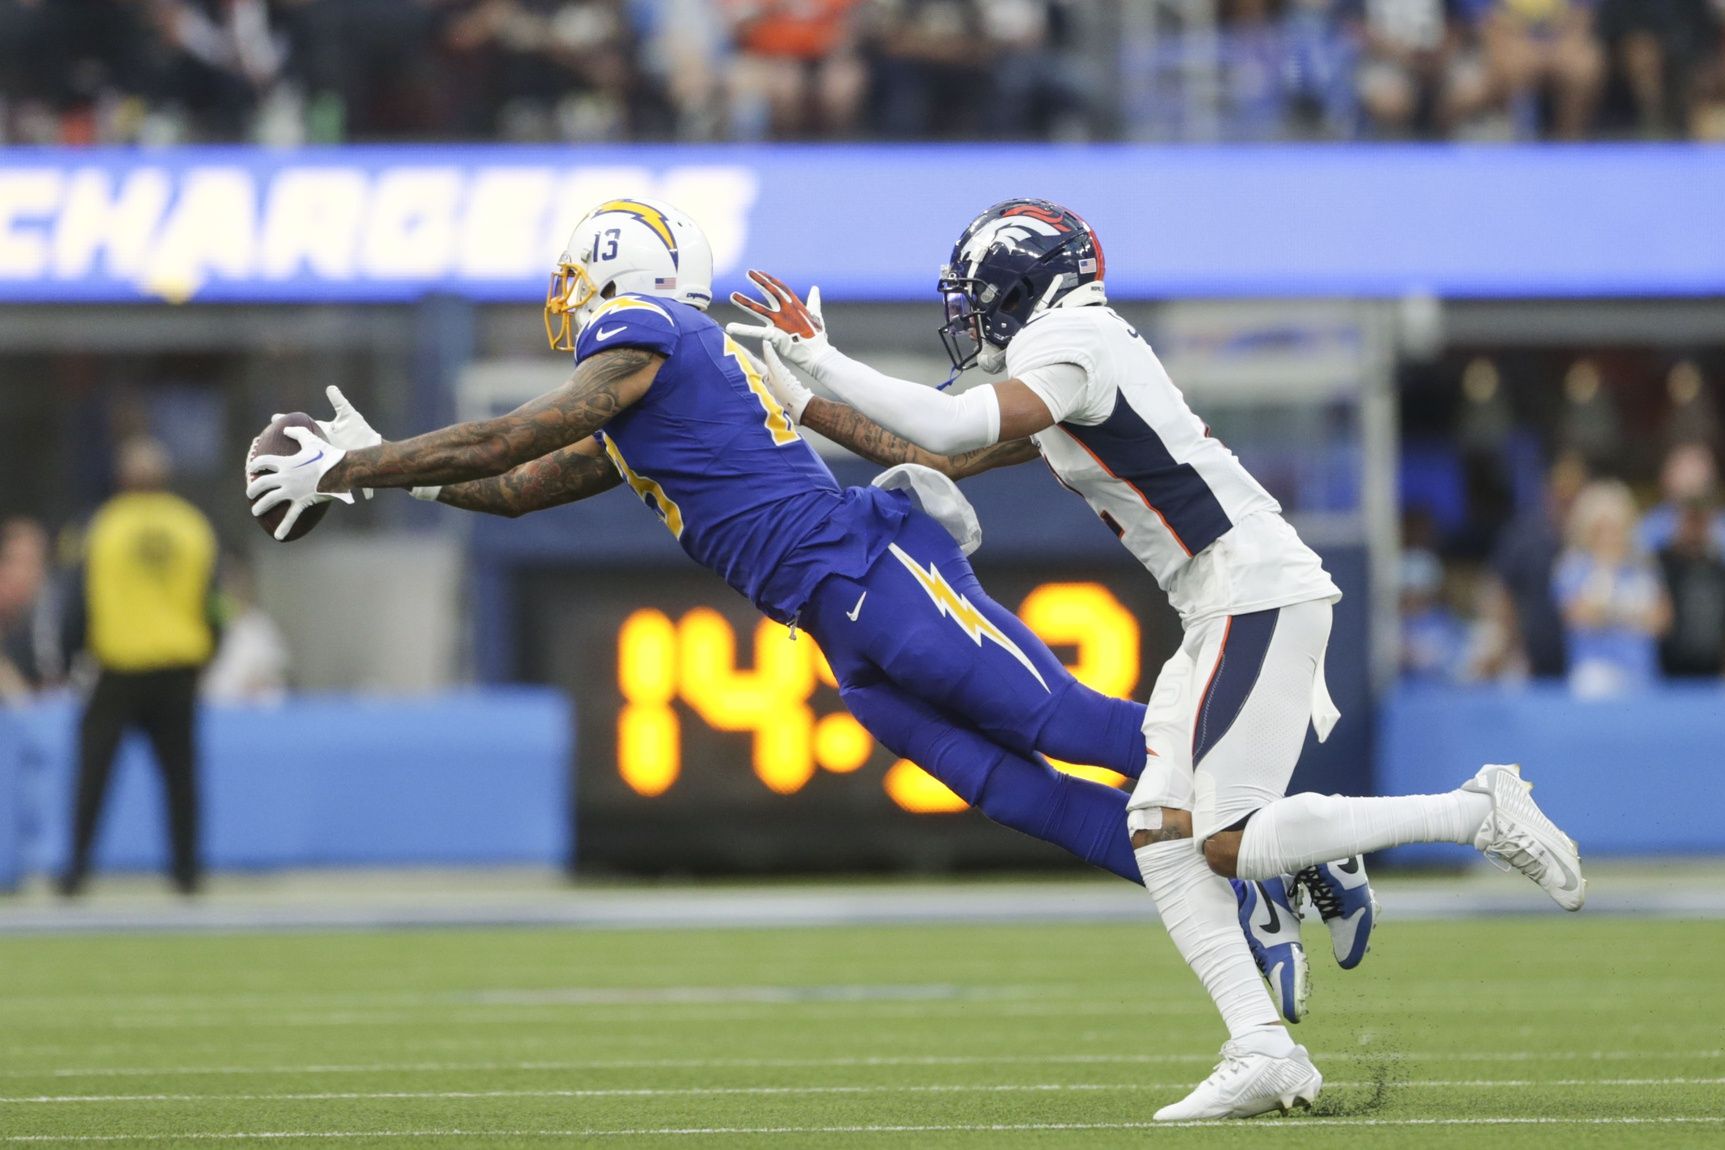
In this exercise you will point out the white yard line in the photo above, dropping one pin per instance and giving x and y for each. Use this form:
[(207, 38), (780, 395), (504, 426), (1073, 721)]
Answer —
[(554, 1065), (674, 994), (59, 1006), (773, 1091), (1257, 1126), (478, 1014)]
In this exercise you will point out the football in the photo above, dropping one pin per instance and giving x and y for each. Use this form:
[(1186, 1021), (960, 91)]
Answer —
[(274, 440)]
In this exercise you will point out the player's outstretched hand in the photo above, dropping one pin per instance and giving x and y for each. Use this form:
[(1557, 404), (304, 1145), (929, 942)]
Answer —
[(349, 429), (793, 327), (293, 479), (786, 388)]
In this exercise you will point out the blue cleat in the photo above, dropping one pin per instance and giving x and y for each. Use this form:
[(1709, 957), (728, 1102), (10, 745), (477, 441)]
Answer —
[(1344, 898), (1272, 929)]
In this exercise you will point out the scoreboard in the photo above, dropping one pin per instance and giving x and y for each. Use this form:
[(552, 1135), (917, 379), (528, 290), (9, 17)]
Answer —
[(714, 739)]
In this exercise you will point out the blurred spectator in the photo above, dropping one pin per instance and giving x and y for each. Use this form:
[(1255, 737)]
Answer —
[(1589, 423), (1661, 48), (558, 69), (929, 64), (1319, 64), (1690, 475), (214, 61), (1433, 639), (1542, 53), (1253, 79), (1694, 574), (29, 621), (1039, 90), (1614, 607), (1487, 420), (73, 71), (797, 60), (1494, 649), (370, 69), (685, 49), (1693, 418), (1527, 555), (148, 623), (251, 663), (1414, 77)]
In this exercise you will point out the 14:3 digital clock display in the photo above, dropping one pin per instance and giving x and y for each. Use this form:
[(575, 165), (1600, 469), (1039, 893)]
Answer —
[(696, 713)]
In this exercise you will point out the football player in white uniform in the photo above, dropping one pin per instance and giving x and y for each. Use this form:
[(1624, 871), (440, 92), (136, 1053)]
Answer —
[(1228, 714)]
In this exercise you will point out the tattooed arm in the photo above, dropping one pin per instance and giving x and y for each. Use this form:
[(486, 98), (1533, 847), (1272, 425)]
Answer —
[(549, 481), (850, 428), (603, 385)]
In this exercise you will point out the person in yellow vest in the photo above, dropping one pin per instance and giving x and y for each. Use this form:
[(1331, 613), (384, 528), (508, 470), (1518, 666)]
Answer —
[(149, 626)]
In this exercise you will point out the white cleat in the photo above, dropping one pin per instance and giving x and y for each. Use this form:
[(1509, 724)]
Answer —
[(1246, 1083), (1518, 835)]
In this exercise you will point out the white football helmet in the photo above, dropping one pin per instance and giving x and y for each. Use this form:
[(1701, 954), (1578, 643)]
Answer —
[(640, 246)]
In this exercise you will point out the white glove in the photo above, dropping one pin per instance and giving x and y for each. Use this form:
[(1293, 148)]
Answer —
[(348, 429), (293, 479), (796, 329), (786, 388)]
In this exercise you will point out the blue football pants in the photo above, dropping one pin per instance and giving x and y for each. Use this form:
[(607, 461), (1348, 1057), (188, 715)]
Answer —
[(944, 676)]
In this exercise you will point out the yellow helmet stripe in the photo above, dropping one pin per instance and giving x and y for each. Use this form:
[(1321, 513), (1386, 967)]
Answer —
[(629, 303), (648, 215)]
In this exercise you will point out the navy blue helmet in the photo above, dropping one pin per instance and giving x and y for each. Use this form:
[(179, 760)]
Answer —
[(1014, 261)]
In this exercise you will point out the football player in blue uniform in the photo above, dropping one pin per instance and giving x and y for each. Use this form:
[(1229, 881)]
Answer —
[(663, 400)]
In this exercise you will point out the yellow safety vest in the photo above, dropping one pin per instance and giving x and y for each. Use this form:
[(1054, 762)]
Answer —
[(150, 559)]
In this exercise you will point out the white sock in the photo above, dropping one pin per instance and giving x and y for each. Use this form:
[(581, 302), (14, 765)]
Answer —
[(1302, 830), (1198, 908)]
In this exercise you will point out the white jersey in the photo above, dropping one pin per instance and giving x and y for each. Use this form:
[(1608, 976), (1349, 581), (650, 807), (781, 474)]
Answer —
[(1178, 499)]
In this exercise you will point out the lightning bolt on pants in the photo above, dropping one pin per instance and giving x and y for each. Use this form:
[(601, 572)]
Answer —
[(946, 677), (937, 634)]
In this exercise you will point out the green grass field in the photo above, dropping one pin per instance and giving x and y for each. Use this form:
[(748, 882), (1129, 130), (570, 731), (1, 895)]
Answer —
[(1552, 1031)]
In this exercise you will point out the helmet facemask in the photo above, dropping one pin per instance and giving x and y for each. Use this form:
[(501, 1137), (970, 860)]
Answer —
[(981, 319), (961, 334), (568, 301)]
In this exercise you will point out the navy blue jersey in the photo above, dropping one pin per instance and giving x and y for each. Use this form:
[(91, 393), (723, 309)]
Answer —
[(712, 452)]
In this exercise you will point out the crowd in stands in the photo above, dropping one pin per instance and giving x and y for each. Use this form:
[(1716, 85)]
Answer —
[(1586, 582), (294, 71)]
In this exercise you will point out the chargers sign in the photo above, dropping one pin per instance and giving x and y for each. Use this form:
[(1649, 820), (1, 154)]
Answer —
[(355, 224), (865, 222)]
